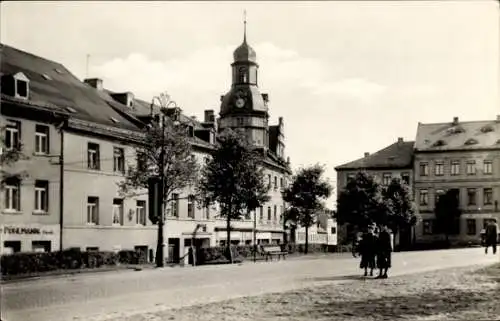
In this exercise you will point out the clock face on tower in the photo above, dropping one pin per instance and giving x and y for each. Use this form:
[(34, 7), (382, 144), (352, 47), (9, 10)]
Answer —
[(240, 102)]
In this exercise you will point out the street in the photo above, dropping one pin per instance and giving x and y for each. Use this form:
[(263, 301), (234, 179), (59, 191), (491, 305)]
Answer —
[(105, 295)]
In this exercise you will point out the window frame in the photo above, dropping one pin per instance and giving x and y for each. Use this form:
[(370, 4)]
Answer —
[(190, 205), (93, 203), (421, 195), (93, 150), (118, 205), (41, 193), (424, 169), (469, 229), (439, 168), (12, 135), (488, 191), (140, 213), (471, 201), (470, 167), (487, 167), (42, 132), (119, 160), (12, 195), (455, 168)]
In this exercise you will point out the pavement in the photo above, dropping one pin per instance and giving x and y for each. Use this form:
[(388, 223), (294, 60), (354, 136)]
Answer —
[(109, 295)]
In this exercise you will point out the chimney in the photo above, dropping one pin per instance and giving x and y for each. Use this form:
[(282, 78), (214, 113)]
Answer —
[(193, 118), (126, 98), (94, 83), (455, 120), (209, 116), (367, 154), (498, 118), (400, 140), (221, 97), (265, 97), (280, 120)]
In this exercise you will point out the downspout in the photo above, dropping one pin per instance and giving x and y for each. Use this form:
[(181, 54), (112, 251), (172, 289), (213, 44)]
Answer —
[(61, 184)]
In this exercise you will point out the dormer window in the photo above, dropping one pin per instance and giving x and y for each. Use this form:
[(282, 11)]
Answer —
[(439, 143), (21, 85), (455, 130), (487, 129), (471, 141)]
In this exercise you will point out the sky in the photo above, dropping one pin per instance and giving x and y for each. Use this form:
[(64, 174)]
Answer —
[(347, 76)]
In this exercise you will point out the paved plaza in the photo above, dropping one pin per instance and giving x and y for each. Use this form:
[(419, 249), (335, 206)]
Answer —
[(103, 296)]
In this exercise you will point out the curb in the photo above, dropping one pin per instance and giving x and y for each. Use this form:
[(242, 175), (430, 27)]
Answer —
[(66, 273)]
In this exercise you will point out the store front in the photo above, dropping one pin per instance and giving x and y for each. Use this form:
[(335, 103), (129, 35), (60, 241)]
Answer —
[(28, 238)]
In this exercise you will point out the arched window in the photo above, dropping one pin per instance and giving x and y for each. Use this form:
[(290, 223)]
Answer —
[(243, 75)]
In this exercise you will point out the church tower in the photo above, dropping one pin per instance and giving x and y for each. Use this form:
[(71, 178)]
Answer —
[(244, 107)]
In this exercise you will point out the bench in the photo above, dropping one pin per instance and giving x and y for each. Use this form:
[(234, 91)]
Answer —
[(269, 251)]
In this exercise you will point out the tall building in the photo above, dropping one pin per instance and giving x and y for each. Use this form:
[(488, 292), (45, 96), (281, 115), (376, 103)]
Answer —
[(460, 156), (81, 139), (395, 160)]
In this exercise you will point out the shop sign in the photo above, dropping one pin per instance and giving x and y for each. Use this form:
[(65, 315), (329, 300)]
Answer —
[(17, 230)]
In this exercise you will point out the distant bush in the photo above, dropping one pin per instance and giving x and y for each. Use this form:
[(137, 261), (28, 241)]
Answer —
[(29, 263)]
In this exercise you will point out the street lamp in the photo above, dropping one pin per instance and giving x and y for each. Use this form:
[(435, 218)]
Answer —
[(165, 102)]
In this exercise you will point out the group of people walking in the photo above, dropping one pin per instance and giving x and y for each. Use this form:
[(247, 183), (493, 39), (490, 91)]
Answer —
[(375, 249)]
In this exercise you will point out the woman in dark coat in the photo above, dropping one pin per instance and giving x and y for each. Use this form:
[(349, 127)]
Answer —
[(367, 249), (384, 251)]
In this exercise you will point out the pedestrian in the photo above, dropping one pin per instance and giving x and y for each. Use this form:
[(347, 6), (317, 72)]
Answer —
[(491, 236), (367, 250), (384, 251)]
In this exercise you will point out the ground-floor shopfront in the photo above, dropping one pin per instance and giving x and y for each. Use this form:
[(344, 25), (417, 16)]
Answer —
[(28, 238), (466, 231), (245, 236)]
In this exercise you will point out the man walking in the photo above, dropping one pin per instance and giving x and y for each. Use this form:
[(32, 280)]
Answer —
[(491, 236), (384, 251)]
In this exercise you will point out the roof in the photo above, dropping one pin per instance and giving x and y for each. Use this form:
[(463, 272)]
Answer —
[(397, 155), (51, 84), (471, 135)]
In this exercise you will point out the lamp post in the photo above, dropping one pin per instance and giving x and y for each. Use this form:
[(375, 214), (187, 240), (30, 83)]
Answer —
[(165, 102)]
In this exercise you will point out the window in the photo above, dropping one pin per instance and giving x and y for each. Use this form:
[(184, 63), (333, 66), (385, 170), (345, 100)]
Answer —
[(455, 168), (118, 160), (406, 178), (439, 193), (269, 213), (41, 139), (350, 177), (471, 227), (261, 216), (141, 159), (12, 195), (40, 246), (439, 168), (471, 167), (92, 210), (488, 196), (275, 182), (10, 247), (471, 196), (269, 180), (282, 185), (21, 88), (387, 178), (333, 230), (140, 212), (424, 169), (275, 216), (191, 206), (240, 121), (117, 211), (41, 196), (12, 135), (424, 197), (427, 227), (487, 167), (93, 156), (174, 205)]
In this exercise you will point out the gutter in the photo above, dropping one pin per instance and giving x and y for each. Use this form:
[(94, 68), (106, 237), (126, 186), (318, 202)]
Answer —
[(60, 127)]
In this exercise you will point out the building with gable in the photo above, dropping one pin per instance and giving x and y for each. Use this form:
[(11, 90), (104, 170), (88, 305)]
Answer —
[(465, 157), (395, 160), (87, 145)]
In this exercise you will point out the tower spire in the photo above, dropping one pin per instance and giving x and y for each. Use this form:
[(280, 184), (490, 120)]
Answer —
[(245, 26)]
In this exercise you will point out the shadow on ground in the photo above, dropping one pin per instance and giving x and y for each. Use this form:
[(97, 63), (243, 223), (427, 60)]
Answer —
[(355, 277)]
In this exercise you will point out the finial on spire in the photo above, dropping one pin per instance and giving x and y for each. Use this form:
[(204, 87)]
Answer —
[(245, 26)]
